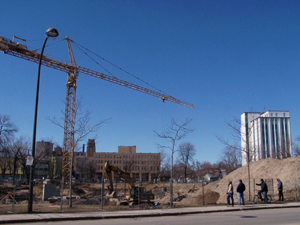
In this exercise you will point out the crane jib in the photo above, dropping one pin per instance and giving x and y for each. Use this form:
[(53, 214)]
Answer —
[(11, 48)]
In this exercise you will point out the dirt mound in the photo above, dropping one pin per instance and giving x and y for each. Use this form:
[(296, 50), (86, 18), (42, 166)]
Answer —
[(287, 170)]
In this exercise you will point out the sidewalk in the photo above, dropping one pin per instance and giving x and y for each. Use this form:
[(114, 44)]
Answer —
[(22, 218)]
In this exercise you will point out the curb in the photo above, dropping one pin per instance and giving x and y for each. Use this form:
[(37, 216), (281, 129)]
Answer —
[(70, 217)]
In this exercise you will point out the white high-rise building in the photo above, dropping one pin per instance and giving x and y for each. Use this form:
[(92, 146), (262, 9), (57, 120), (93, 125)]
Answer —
[(266, 135)]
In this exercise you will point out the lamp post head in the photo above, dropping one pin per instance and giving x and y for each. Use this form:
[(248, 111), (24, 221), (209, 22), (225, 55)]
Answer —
[(52, 33)]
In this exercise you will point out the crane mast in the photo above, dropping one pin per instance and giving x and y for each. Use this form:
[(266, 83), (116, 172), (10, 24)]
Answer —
[(70, 104), (19, 50)]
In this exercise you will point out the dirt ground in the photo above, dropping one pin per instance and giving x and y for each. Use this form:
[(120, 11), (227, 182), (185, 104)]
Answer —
[(185, 195)]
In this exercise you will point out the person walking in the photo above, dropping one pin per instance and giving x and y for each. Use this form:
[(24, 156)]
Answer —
[(280, 190), (264, 189), (230, 194), (240, 192)]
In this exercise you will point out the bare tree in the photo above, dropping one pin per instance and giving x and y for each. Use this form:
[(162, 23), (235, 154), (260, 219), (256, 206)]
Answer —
[(128, 163), (54, 167), (26, 143), (296, 146), (14, 154), (206, 167), (284, 150), (160, 162), (197, 169), (81, 129), (5, 161), (240, 137), (87, 168), (7, 130), (165, 170), (186, 153), (174, 133), (230, 158)]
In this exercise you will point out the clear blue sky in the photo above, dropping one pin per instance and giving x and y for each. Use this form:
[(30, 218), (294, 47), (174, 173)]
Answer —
[(224, 57)]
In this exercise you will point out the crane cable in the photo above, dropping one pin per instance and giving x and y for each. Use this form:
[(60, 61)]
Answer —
[(80, 46), (92, 59), (52, 43)]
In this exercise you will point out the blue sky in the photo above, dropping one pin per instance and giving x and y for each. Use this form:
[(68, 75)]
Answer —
[(224, 57)]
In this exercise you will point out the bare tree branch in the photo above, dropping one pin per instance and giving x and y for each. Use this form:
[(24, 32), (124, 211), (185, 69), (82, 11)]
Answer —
[(174, 133)]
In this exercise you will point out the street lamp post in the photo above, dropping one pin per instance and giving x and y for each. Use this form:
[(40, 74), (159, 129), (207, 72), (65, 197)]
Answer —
[(50, 33)]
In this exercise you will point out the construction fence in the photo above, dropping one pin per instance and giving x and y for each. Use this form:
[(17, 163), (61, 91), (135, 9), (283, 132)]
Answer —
[(96, 194)]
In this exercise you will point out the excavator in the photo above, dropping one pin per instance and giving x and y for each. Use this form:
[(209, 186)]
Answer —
[(135, 193)]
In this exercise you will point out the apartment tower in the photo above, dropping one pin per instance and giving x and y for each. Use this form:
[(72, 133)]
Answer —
[(265, 135)]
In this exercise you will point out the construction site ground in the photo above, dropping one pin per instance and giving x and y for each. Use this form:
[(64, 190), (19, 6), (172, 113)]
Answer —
[(88, 196)]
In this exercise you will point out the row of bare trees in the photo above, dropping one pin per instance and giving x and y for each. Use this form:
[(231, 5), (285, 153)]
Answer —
[(14, 151)]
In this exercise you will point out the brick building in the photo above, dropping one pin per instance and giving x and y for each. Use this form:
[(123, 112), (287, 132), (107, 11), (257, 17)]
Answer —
[(141, 166)]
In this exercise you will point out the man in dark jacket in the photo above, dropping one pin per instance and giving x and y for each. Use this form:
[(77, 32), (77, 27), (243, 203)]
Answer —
[(240, 192), (264, 189), (280, 189)]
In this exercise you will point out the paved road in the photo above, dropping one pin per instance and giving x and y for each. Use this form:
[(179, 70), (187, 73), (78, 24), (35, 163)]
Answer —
[(288, 216)]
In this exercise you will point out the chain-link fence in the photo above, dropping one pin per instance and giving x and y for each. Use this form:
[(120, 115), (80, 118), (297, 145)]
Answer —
[(96, 196), (207, 194)]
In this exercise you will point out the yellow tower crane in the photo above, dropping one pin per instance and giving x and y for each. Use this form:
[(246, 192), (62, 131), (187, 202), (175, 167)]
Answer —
[(20, 50)]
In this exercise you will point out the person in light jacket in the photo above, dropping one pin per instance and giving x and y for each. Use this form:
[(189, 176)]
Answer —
[(230, 194)]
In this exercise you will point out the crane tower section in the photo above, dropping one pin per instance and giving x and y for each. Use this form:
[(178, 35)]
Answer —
[(69, 123)]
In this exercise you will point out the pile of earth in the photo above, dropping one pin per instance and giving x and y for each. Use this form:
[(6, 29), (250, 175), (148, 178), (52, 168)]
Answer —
[(287, 170)]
